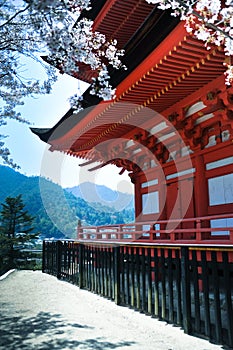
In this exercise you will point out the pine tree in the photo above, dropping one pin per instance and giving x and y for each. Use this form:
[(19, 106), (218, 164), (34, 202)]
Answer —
[(16, 227)]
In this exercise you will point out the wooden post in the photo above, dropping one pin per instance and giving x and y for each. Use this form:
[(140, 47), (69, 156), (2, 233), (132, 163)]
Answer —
[(196, 289), (143, 276), (206, 300), (44, 256), (80, 262), (137, 271), (216, 301), (185, 286), (156, 270), (178, 287), (59, 252), (227, 292), (163, 284), (94, 262), (127, 271), (198, 230), (149, 274), (116, 257), (170, 287)]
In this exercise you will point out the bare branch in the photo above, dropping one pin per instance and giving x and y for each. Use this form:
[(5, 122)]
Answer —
[(14, 16)]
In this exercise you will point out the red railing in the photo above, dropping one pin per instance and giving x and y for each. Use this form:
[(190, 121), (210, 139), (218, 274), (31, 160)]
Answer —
[(191, 230)]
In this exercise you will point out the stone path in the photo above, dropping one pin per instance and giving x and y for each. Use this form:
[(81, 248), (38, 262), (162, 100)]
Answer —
[(40, 312)]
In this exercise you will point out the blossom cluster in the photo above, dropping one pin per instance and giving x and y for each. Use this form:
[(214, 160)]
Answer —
[(71, 40), (208, 20), (52, 29)]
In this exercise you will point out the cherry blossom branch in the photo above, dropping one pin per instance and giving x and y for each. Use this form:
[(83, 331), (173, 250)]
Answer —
[(211, 25), (14, 16), (214, 23)]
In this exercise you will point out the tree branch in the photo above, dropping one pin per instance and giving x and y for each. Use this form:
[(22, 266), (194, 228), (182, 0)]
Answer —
[(14, 16), (208, 25)]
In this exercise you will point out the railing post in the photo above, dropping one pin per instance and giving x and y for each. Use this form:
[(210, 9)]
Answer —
[(80, 263), (119, 232), (231, 235), (198, 230), (185, 287), (116, 265), (59, 253)]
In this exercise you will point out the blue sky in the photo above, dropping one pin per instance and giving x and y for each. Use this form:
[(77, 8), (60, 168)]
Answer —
[(32, 155)]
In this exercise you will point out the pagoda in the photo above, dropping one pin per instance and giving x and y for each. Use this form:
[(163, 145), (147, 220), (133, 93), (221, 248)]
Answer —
[(170, 125)]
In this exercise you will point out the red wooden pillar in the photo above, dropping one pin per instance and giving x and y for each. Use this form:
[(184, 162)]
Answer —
[(201, 196), (162, 188), (201, 188), (138, 199)]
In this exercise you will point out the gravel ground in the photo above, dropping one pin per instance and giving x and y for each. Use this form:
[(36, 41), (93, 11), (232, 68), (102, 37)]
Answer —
[(40, 312)]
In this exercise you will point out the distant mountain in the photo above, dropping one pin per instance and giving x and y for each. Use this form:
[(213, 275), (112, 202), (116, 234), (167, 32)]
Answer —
[(93, 193), (10, 181), (56, 210)]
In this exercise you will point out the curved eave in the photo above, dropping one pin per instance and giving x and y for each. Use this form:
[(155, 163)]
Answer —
[(69, 121), (158, 86), (45, 134), (42, 133)]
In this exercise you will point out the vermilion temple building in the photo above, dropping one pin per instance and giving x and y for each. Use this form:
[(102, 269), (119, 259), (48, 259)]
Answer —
[(170, 126)]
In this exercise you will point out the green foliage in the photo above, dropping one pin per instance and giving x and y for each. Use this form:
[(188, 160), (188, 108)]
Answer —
[(16, 226), (14, 220)]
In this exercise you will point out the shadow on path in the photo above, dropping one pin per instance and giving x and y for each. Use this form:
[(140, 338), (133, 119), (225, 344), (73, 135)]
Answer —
[(47, 331)]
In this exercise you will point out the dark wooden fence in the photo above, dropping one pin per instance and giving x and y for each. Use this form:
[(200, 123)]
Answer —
[(188, 286)]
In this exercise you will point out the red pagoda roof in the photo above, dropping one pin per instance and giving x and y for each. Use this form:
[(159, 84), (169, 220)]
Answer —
[(121, 20), (178, 69), (169, 74)]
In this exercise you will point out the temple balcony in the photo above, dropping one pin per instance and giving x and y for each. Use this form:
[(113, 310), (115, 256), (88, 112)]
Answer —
[(200, 230)]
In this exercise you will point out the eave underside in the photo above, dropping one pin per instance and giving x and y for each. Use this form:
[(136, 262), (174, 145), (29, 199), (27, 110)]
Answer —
[(184, 70)]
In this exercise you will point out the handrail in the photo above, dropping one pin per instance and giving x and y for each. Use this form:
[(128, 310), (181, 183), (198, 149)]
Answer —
[(209, 217), (188, 229)]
